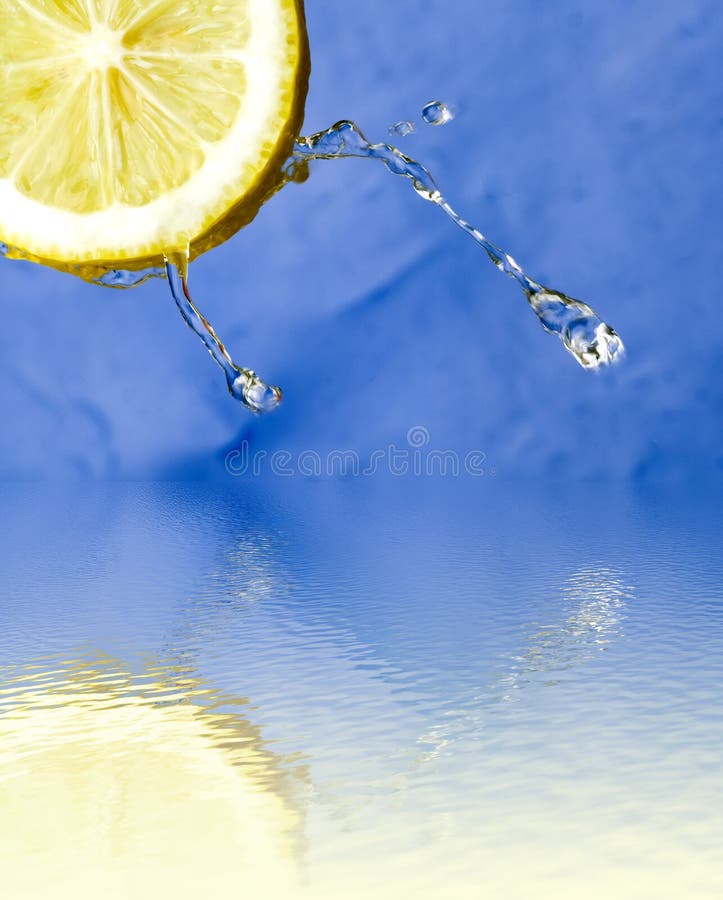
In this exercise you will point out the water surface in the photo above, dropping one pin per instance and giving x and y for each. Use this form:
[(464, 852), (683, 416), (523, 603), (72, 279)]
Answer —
[(441, 688)]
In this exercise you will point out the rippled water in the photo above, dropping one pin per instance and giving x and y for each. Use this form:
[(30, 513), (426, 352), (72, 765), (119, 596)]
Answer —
[(441, 689)]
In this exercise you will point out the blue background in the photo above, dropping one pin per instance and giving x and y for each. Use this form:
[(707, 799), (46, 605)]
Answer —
[(496, 684), (588, 143)]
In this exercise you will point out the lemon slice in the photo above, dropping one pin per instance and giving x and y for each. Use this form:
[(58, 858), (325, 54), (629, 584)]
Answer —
[(134, 128)]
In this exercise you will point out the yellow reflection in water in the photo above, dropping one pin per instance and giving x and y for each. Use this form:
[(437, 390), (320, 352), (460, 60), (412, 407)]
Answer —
[(114, 785)]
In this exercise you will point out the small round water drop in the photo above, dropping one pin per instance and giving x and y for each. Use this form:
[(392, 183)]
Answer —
[(402, 129), (437, 113)]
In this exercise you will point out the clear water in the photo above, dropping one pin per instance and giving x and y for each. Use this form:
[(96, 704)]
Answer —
[(433, 113), (437, 113), (120, 278), (243, 384), (361, 688), (590, 340), (403, 128)]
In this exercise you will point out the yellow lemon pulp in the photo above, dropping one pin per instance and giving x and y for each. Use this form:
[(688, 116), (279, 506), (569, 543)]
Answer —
[(134, 128)]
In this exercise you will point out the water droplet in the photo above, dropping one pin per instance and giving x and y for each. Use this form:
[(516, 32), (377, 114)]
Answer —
[(437, 113), (592, 342), (254, 393), (4, 249), (402, 129)]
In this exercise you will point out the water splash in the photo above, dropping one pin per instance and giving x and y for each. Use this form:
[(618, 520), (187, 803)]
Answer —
[(243, 384), (94, 273), (402, 129), (122, 279), (582, 332), (437, 113)]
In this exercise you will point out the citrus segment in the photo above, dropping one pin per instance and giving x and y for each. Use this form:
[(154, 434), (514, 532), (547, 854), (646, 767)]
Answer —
[(133, 129)]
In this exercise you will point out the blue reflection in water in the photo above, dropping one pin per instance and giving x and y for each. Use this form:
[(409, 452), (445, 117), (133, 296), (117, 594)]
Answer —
[(465, 674)]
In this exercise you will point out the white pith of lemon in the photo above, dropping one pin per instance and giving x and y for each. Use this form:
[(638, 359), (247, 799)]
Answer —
[(130, 129)]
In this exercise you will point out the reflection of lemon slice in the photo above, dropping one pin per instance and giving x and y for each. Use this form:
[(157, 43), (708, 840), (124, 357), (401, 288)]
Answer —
[(131, 128), (119, 786)]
